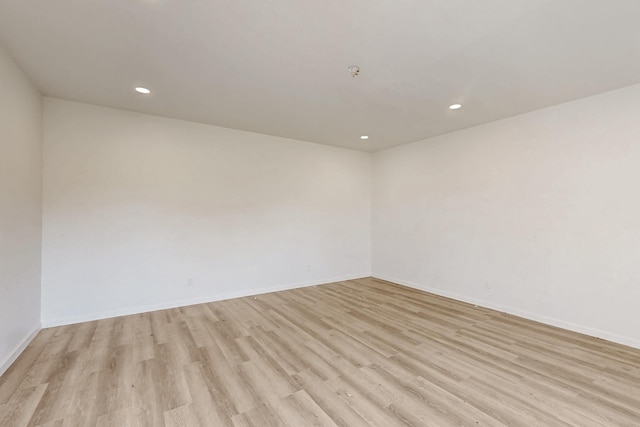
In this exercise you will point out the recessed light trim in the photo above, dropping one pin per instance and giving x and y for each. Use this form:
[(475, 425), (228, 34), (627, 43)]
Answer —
[(363, 137), (455, 106), (143, 90)]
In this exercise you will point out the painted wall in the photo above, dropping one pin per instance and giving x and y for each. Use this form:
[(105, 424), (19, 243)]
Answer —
[(20, 209), (143, 212), (537, 215)]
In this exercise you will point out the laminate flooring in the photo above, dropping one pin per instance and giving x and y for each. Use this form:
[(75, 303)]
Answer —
[(355, 353)]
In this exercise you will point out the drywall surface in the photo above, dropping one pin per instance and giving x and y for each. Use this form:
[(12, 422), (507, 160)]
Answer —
[(537, 215), (144, 212), (20, 209)]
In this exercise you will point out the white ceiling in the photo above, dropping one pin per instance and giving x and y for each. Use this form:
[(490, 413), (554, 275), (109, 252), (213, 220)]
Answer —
[(279, 67)]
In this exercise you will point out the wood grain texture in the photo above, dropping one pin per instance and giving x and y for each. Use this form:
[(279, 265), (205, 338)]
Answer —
[(357, 353)]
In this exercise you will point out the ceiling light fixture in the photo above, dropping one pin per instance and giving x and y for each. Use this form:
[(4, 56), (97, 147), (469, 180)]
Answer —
[(143, 90), (364, 137), (455, 106)]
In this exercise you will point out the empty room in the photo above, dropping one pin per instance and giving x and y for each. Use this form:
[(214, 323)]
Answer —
[(332, 213)]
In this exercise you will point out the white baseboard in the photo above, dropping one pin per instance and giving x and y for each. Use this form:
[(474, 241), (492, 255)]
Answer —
[(4, 365), (631, 342), (48, 323)]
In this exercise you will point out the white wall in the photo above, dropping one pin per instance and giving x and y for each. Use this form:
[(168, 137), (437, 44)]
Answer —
[(20, 209), (144, 212), (537, 215)]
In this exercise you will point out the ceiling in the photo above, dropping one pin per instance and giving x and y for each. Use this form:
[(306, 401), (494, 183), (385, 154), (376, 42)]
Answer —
[(279, 67)]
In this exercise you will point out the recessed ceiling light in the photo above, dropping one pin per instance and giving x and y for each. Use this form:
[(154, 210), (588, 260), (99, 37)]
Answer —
[(364, 137), (455, 106), (143, 90)]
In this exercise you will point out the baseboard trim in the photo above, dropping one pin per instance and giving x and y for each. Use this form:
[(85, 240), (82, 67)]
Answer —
[(88, 317), (597, 333), (17, 351)]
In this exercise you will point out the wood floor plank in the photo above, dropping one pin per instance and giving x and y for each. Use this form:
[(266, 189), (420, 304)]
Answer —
[(207, 406), (299, 409), (340, 412), (354, 353), (19, 409), (116, 418)]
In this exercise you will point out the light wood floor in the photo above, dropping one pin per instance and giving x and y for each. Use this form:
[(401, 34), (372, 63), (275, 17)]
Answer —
[(357, 353)]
